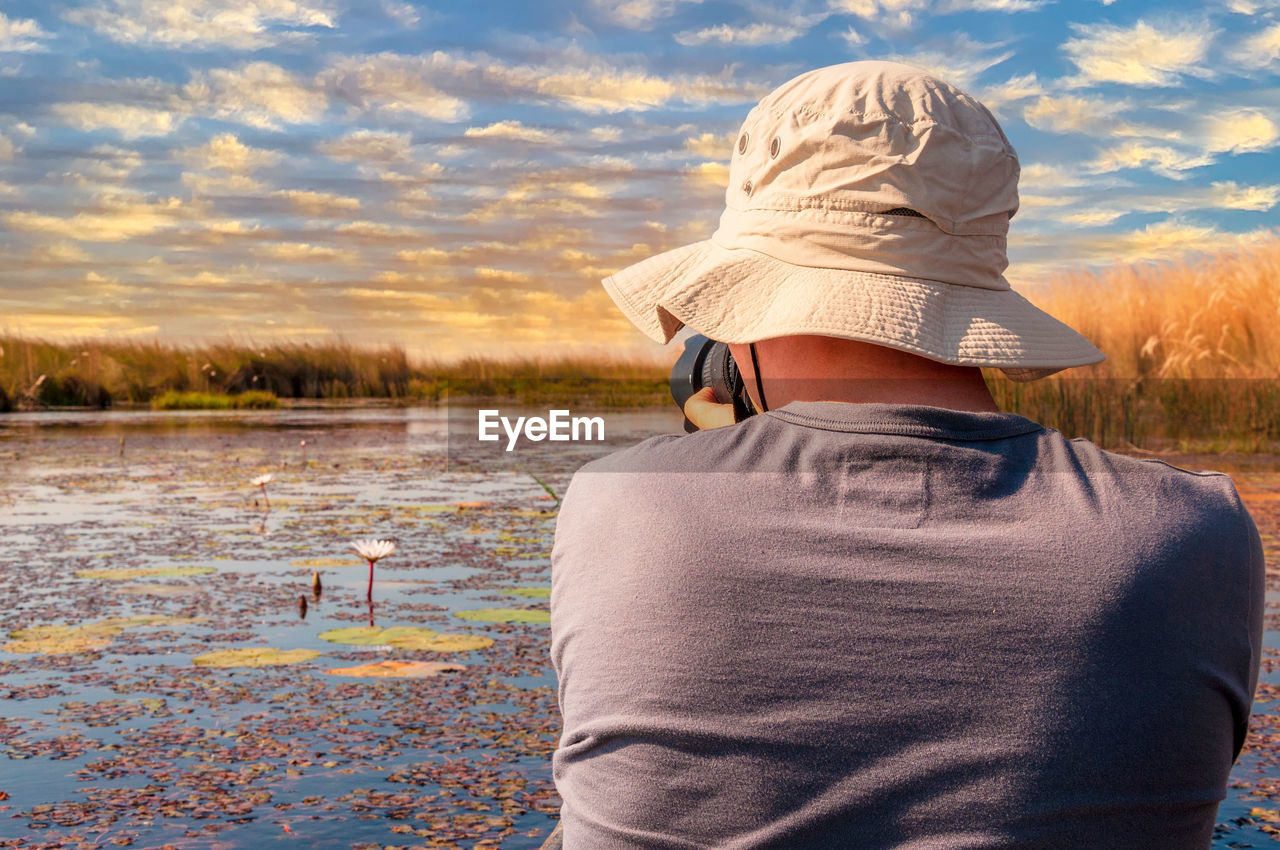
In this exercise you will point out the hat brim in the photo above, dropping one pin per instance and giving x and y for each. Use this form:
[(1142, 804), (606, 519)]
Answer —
[(738, 295)]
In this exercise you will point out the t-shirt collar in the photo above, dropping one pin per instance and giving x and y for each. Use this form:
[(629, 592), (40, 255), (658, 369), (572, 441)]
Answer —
[(917, 420)]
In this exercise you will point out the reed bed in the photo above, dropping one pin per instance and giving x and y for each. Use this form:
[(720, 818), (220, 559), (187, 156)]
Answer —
[(1193, 354), (1193, 363), (38, 373)]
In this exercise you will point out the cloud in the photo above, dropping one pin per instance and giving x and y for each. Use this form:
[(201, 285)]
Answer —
[(226, 153), (131, 122), (501, 322), (1228, 194), (1173, 237), (222, 184), (258, 94), (852, 38), (21, 35), (711, 145), (404, 14), (995, 5), (1262, 49), (114, 218), (234, 24), (1240, 131), (545, 197), (750, 35), (996, 97), (392, 83), (1162, 159), (7, 149), (511, 130), (1092, 218), (503, 275), (424, 257), (637, 14), (715, 173), (1170, 237), (1070, 114), (377, 231), (1251, 7), (368, 146), (575, 79), (961, 64), (1141, 55), (317, 204), (1043, 178), (302, 252), (889, 14)]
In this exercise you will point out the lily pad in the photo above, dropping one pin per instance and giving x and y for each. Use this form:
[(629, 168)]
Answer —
[(254, 657), (147, 620), (506, 615), (58, 644), (397, 670), (51, 639), (407, 637), (145, 572), (445, 643), (357, 635), (529, 592)]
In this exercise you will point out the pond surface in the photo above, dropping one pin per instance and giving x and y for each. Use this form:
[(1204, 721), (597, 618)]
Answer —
[(144, 528)]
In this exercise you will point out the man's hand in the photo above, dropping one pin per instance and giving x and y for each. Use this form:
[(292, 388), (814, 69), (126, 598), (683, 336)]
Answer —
[(703, 410)]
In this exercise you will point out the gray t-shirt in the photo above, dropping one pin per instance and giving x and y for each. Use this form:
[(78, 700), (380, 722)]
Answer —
[(882, 625)]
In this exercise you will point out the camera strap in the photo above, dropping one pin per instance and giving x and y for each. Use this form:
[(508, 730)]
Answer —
[(755, 368)]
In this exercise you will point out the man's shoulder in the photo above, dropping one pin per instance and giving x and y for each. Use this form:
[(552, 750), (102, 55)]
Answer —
[(1152, 468), (1203, 498), (700, 451)]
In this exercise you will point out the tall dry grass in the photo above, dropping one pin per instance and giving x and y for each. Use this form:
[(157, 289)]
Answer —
[(1193, 354)]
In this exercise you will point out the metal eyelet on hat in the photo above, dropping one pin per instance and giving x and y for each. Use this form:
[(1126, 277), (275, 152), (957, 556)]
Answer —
[(774, 147), (747, 187), (742, 143)]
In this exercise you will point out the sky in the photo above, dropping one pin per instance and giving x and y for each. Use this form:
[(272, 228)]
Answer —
[(457, 177)]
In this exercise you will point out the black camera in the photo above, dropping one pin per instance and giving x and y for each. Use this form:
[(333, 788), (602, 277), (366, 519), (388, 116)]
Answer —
[(707, 363)]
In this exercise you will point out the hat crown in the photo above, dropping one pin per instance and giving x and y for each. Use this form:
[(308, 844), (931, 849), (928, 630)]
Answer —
[(872, 136)]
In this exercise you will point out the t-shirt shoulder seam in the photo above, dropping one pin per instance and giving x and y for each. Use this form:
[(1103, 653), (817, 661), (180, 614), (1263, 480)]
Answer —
[(1203, 473)]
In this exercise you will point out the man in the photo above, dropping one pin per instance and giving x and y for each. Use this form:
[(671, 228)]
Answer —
[(882, 613)]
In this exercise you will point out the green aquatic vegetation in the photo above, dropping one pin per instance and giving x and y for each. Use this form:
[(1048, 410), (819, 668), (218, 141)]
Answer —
[(145, 572), (506, 615), (67, 644), (529, 592), (67, 639), (407, 637), (254, 657), (249, 400)]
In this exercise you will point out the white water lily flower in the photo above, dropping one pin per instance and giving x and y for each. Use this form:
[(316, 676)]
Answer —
[(373, 550), (263, 480)]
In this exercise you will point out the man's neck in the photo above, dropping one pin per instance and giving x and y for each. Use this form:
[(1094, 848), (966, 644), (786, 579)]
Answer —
[(934, 392)]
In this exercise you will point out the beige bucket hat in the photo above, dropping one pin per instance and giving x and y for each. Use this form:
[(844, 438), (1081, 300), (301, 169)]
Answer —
[(867, 201)]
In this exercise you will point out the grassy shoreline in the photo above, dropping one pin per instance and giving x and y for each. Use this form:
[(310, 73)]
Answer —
[(1193, 363)]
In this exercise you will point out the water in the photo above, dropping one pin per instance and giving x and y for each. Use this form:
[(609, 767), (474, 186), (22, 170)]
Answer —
[(131, 743)]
